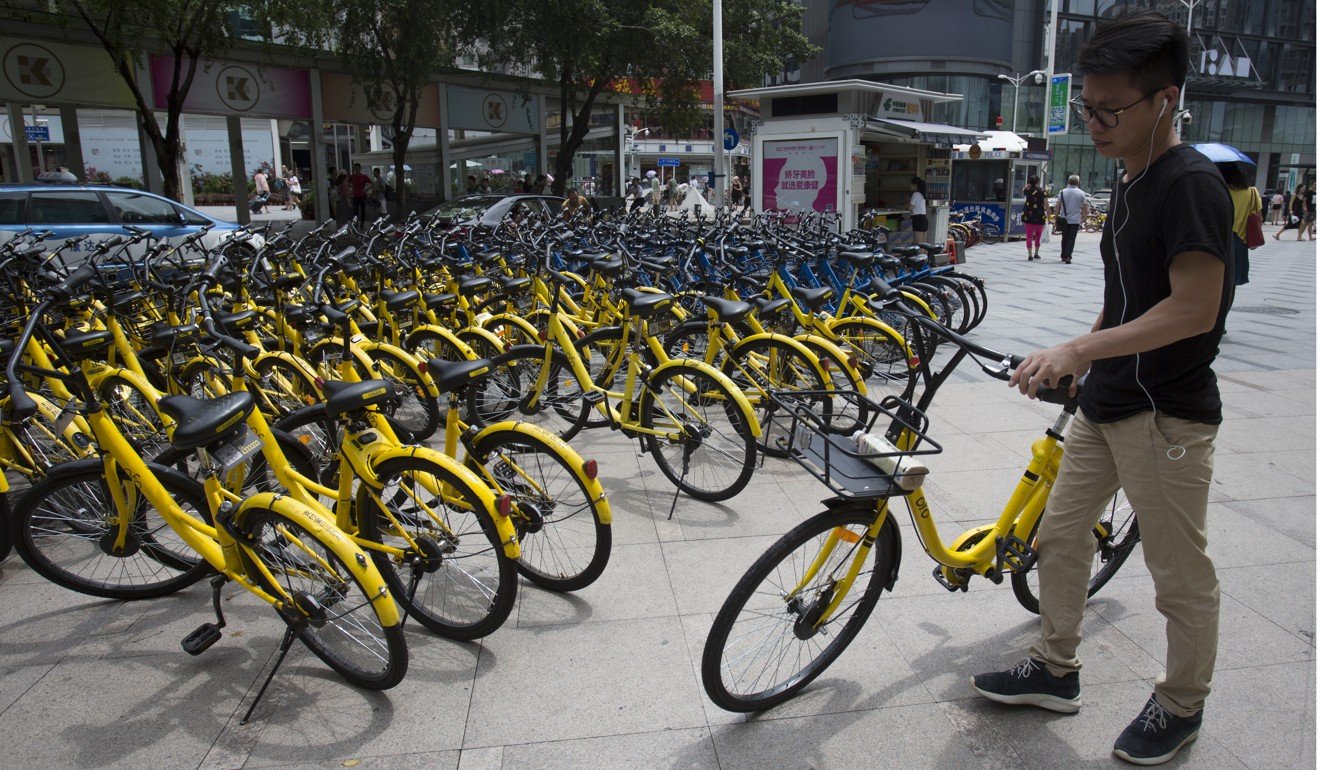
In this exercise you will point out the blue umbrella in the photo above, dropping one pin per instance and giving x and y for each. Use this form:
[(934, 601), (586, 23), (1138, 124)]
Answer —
[(1223, 153)]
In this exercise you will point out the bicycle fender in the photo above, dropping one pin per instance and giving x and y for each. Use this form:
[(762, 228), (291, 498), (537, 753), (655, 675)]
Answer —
[(444, 333), (739, 398), (821, 343), (561, 447), (347, 551), (737, 347), (503, 526), (486, 334), (413, 364), (290, 359), (891, 523), (514, 320)]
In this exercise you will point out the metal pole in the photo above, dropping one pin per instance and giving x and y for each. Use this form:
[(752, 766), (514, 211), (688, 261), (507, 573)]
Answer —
[(41, 162), (717, 78), (1182, 92), (1050, 34), (1016, 83)]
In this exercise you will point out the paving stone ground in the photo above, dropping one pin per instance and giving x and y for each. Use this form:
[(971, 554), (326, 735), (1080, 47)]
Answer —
[(608, 677)]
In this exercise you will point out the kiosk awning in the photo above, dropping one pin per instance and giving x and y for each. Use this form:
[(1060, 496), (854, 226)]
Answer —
[(930, 133)]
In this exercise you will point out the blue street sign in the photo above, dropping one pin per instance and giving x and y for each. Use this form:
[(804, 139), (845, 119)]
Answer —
[(667, 162), (730, 138), (37, 133)]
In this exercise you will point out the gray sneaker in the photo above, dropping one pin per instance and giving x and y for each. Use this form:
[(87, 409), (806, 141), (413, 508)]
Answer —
[(1156, 735), (1030, 683)]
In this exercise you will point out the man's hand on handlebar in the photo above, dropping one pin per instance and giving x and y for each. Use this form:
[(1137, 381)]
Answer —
[(1047, 368)]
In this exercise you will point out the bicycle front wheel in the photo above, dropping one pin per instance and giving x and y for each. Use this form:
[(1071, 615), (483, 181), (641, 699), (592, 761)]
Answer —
[(767, 641), (1116, 535), (762, 365), (66, 529), (418, 412), (341, 625), (506, 392), (707, 449), (565, 545), (452, 574)]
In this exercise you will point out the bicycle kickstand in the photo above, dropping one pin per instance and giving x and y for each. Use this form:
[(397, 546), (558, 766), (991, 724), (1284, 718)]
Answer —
[(687, 453), (289, 634)]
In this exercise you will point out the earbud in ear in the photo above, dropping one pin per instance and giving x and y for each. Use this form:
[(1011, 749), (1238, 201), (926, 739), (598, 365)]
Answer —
[(1164, 105)]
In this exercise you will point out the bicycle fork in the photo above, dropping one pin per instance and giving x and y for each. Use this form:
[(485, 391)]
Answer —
[(815, 614)]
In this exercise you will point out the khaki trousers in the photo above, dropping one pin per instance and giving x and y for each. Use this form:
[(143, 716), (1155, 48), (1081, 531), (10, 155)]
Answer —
[(1164, 465)]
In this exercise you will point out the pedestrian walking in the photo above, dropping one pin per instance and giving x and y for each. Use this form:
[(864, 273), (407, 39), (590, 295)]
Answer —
[(1246, 201), (736, 192), (262, 186), (1033, 215), (295, 190), (1150, 408), (359, 187), (1296, 213), (1309, 218), (654, 183), (378, 188), (1276, 207), (1070, 208)]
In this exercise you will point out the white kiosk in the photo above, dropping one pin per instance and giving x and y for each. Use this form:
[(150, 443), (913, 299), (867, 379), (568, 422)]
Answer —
[(852, 146)]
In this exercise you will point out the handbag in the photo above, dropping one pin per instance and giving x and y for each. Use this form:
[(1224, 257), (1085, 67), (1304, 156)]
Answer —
[(1255, 231)]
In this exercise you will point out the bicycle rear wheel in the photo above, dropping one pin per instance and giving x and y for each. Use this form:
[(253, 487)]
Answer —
[(453, 575), (504, 393), (418, 412), (760, 366), (709, 450), (565, 545), (65, 529), (1116, 535), (765, 644), (342, 626)]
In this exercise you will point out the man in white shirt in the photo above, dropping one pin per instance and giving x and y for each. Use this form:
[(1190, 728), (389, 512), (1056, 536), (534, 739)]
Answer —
[(1072, 207)]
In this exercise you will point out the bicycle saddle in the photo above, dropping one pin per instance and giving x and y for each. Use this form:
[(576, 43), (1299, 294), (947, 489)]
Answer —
[(438, 301), (514, 283), (86, 344), (857, 258), (813, 297), (450, 376), (398, 300), (905, 251), (931, 249), (344, 397), (469, 286), (767, 306), (643, 304), (916, 261), (236, 322), (204, 422), (728, 310)]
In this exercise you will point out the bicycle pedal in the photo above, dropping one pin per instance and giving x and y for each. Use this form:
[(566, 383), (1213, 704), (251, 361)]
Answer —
[(593, 397), (198, 641), (940, 578)]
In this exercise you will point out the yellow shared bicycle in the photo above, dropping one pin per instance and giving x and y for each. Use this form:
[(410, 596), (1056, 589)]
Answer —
[(804, 600)]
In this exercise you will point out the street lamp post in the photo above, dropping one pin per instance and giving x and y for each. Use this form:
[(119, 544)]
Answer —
[(1017, 82), (636, 150), (1182, 92)]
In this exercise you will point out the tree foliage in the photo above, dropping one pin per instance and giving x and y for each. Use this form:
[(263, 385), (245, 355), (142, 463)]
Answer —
[(585, 46), (392, 49), (188, 30)]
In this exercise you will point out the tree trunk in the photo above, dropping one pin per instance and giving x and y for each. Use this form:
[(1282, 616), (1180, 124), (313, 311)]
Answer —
[(571, 141)]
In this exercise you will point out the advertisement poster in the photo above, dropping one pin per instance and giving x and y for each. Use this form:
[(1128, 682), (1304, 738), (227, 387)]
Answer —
[(1060, 93), (800, 175), (223, 88)]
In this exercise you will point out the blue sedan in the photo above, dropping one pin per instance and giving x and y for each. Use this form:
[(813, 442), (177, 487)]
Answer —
[(69, 210)]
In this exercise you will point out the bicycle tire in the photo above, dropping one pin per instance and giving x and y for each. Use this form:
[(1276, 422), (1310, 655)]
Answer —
[(846, 416), (607, 364), (61, 529), (457, 582), (281, 388), (6, 528), (565, 545), (881, 352), (1111, 551), (976, 285), (707, 410), (504, 393), (418, 412), (766, 583), (134, 413), (361, 648), (759, 366), (961, 310), (991, 234)]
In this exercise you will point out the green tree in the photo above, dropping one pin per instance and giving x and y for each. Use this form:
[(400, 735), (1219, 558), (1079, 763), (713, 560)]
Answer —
[(189, 30), (392, 48), (663, 46)]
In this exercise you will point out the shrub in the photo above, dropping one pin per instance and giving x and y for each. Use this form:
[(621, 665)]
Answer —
[(128, 181)]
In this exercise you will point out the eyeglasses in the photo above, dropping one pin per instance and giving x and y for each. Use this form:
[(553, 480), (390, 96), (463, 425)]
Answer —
[(1108, 118)]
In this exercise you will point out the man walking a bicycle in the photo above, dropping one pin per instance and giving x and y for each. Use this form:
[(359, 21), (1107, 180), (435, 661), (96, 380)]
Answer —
[(1150, 408)]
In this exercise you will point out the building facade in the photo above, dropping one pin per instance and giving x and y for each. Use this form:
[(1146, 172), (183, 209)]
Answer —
[(1251, 80)]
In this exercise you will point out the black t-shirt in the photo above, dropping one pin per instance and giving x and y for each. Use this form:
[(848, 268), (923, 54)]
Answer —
[(1180, 204)]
